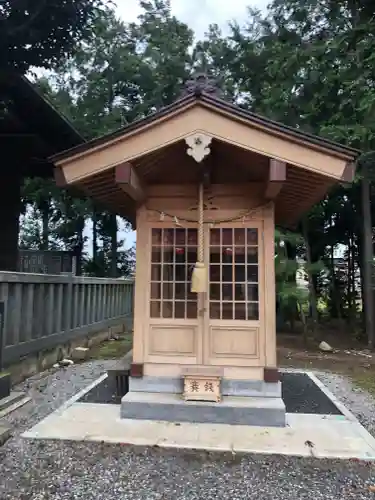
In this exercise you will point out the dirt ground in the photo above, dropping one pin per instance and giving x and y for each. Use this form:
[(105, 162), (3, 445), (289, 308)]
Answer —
[(347, 357)]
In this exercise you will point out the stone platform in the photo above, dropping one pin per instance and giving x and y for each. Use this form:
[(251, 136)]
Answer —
[(333, 436), (243, 402), (232, 410)]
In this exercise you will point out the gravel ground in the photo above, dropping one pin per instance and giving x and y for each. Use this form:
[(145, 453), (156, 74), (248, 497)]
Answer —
[(39, 470), (359, 402)]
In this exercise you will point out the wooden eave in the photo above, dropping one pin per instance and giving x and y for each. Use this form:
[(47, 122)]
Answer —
[(31, 129), (38, 114), (307, 166)]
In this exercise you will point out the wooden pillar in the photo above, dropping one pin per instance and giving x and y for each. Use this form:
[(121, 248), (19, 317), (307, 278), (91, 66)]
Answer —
[(141, 307), (368, 256), (10, 205), (270, 287)]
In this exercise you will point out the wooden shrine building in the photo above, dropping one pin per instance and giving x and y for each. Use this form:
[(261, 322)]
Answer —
[(205, 182), (31, 130)]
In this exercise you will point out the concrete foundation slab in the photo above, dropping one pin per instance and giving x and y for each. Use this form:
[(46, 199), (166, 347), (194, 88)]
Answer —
[(231, 410), (331, 436)]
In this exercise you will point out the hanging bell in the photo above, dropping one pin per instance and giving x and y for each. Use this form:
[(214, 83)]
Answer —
[(199, 278)]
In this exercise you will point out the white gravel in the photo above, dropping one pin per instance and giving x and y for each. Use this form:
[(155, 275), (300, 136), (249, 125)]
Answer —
[(51, 470), (358, 401)]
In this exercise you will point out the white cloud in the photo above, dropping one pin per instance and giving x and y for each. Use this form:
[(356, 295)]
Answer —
[(198, 14)]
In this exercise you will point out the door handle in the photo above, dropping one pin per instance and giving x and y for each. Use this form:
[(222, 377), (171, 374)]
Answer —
[(202, 311)]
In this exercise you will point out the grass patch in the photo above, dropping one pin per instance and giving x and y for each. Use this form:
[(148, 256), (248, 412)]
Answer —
[(112, 349), (365, 380)]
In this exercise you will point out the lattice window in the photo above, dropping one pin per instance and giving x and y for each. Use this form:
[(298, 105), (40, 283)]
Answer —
[(234, 288), (173, 256)]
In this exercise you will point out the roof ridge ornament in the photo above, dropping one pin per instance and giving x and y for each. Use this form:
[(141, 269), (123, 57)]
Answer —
[(200, 80), (201, 83), (198, 146)]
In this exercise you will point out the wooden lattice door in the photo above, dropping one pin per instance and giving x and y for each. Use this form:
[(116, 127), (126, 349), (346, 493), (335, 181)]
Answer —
[(174, 329), (220, 327), (233, 313)]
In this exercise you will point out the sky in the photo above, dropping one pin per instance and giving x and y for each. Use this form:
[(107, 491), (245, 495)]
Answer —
[(198, 14)]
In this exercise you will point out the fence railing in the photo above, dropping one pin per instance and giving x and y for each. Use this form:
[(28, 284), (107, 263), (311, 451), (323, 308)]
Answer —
[(40, 311)]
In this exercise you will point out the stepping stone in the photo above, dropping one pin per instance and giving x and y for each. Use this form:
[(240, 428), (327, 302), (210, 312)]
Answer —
[(5, 433), (80, 353), (13, 397), (12, 402)]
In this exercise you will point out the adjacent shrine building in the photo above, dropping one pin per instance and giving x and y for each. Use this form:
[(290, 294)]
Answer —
[(204, 183)]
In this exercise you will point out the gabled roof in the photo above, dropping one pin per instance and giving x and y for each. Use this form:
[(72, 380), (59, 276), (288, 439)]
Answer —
[(153, 151), (235, 111)]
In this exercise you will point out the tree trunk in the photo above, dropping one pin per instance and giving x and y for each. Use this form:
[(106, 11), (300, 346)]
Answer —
[(45, 224), (113, 235), (354, 287), (80, 244), (95, 237), (312, 293), (10, 206), (113, 219), (367, 256), (349, 281), (290, 253), (304, 323), (337, 296)]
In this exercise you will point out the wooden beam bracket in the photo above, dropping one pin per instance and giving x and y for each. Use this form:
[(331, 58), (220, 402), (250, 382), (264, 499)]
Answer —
[(127, 178), (276, 179), (348, 174), (60, 179)]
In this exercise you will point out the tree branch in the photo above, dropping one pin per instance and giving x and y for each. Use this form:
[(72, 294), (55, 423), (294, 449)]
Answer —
[(15, 30)]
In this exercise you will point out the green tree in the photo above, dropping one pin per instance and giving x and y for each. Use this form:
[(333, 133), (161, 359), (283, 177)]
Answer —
[(127, 71), (321, 56), (308, 64), (163, 46), (42, 33)]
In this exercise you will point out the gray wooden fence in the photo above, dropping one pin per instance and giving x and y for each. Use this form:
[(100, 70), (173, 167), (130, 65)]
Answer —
[(40, 311)]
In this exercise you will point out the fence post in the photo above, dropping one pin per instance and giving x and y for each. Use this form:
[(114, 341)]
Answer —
[(2, 333), (69, 300), (4, 290)]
